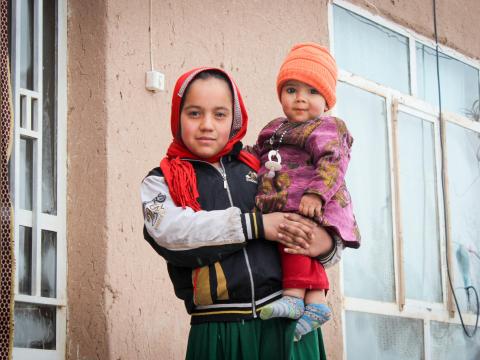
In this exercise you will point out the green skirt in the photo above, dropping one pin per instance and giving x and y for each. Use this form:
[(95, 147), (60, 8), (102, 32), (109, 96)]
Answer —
[(252, 340)]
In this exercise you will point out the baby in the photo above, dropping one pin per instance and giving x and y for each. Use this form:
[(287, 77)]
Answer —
[(304, 158)]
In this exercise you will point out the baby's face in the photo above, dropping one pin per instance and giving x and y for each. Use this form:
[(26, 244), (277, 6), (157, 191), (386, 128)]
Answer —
[(301, 102)]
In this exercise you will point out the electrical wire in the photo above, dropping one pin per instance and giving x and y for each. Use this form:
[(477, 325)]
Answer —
[(442, 132), (150, 35)]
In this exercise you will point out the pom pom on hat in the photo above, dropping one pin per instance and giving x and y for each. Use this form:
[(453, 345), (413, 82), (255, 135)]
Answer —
[(312, 64)]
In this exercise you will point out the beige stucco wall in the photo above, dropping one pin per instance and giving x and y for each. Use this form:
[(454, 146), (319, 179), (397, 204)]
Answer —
[(87, 204), (120, 300)]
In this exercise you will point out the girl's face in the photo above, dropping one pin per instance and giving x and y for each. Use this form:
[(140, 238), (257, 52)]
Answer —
[(206, 117), (301, 102)]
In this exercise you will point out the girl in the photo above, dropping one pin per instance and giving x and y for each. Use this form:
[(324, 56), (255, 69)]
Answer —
[(198, 215)]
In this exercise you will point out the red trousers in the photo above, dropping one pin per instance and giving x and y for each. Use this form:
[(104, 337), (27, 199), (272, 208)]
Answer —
[(302, 272)]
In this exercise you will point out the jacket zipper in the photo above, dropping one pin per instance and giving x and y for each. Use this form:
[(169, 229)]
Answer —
[(225, 182), (223, 173)]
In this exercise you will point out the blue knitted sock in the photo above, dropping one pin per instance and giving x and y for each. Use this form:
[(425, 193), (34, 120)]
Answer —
[(314, 316), (287, 307)]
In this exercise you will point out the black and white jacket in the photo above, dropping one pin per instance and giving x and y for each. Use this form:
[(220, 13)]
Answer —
[(217, 259)]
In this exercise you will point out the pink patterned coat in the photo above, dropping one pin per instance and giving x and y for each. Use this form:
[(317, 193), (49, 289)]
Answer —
[(315, 156)]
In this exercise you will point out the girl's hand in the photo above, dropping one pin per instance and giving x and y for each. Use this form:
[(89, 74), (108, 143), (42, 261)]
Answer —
[(296, 231), (321, 243), (291, 230), (310, 205)]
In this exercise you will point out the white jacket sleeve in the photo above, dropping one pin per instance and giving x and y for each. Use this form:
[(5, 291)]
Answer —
[(334, 255), (175, 228)]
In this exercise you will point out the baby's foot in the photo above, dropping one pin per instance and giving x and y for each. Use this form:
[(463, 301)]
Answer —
[(287, 307), (315, 315)]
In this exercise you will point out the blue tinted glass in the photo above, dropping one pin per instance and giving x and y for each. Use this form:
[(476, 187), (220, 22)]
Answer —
[(418, 201), (459, 82), (380, 337), (450, 343), (463, 164), (368, 179), (372, 51)]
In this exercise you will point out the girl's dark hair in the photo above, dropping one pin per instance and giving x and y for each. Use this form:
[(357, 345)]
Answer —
[(204, 75)]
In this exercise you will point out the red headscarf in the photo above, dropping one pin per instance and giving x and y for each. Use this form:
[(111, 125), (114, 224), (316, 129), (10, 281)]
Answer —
[(179, 174)]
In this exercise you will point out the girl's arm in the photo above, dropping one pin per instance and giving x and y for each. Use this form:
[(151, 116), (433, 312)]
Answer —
[(333, 256), (329, 144), (192, 239), (323, 245)]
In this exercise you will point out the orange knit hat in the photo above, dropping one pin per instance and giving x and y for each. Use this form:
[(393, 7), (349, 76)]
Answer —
[(312, 64)]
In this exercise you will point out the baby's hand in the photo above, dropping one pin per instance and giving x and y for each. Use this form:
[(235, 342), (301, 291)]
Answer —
[(310, 205)]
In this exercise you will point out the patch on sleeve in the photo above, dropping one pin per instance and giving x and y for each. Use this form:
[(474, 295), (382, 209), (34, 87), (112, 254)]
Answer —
[(154, 210), (251, 177)]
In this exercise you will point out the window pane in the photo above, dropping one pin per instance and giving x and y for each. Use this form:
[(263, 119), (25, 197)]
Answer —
[(459, 81), (25, 261), (49, 130), (449, 342), (34, 110), (49, 263), (26, 44), (463, 154), (23, 111), (35, 326), (421, 238), (26, 173), (380, 337), (368, 180), (370, 50)]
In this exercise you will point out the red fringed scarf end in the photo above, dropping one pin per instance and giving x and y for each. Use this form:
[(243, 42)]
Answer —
[(180, 177)]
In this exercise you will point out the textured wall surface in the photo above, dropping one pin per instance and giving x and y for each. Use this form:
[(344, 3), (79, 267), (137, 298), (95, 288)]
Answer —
[(120, 300), (87, 333)]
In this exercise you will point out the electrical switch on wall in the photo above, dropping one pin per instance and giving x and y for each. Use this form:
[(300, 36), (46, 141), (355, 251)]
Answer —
[(155, 81)]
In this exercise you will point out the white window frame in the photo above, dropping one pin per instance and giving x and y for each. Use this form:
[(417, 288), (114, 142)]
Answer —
[(397, 101), (35, 219)]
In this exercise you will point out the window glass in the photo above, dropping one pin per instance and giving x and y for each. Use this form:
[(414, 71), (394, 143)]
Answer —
[(419, 213), (449, 342), (380, 337), (26, 44), (25, 261), (459, 81), (34, 115), (35, 169), (463, 157), (23, 111), (370, 50), (49, 129), (49, 263), (26, 173), (35, 326), (369, 270)]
